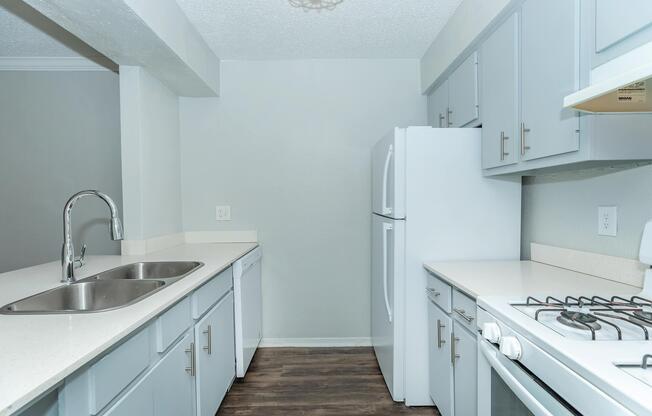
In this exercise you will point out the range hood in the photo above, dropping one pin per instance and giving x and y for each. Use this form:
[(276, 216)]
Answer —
[(628, 92)]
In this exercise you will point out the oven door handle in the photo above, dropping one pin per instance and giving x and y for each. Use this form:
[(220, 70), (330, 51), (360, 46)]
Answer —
[(521, 392)]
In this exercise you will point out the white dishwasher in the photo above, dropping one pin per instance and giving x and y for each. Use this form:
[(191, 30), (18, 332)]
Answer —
[(247, 290)]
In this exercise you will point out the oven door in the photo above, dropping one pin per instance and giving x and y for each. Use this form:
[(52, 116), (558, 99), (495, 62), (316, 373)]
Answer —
[(506, 388)]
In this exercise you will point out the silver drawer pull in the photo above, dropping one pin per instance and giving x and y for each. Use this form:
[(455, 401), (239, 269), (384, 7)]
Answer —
[(462, 313), (440, 341), (524, 146), (454, 354), (209, 348), (432, 292), (192, 370)]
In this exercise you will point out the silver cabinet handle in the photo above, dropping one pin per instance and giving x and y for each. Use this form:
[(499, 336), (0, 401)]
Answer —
[(449, 117), (462, 313), (432, 292), (503, 153), (441, 120), (440, 341), (192, 370), (524, 146), (454, 354), (209, 348)]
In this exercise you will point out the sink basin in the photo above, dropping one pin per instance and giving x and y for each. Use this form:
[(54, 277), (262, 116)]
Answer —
[(85, 296), (150, 270)]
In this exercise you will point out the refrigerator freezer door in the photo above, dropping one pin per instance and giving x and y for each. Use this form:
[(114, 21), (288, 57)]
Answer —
[(388, 175), (388, 236)]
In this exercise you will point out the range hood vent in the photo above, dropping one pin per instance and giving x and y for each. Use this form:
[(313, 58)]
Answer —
[(625, 93)]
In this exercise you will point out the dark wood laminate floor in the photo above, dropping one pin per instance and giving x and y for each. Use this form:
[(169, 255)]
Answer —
[(314, 381)]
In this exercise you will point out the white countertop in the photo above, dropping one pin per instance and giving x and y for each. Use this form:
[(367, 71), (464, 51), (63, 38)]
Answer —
[(39, 351), (521, 278)]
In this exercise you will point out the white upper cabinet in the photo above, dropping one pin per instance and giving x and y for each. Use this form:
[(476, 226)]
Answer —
[(463, 105), (555, 54), (438, 106), (499, 75), (619, 27), (615, 20), (455, 101), (549, 71)]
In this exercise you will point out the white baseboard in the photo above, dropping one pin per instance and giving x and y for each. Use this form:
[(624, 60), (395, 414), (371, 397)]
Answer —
[(617, 269), (142, 247), (315, 342)]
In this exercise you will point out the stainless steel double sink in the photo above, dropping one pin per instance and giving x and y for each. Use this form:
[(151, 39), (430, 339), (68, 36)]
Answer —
[(111, 289)]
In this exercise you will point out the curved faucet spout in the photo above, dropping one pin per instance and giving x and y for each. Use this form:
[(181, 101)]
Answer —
[(68, 250)]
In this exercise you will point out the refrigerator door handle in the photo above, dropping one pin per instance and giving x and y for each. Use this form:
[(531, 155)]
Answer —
[(387, 210), (386, 228)]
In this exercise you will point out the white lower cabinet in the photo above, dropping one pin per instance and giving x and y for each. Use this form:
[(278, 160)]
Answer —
[(453, 355), (173, 379), (441, 369), (137, 401), (466, 371), (215, 354), (166, 390), (174, 366)]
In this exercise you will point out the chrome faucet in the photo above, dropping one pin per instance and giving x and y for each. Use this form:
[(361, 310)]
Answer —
[(68, 261)]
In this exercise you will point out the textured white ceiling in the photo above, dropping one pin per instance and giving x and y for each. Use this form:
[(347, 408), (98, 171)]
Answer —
[(20, 38), (24, 32), (272, 29)]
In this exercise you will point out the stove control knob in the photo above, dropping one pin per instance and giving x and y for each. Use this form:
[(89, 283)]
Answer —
[(491, 332), (511, 348)]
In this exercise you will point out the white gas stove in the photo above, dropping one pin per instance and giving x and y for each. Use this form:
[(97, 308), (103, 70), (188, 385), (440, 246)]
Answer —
[(585, 355), (567, 355)]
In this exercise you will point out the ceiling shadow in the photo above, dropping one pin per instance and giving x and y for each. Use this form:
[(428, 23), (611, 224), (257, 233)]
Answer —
[(34, 18)]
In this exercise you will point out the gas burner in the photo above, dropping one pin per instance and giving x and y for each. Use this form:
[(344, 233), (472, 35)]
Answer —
[(579, 320), (594, 317), (645, 318)]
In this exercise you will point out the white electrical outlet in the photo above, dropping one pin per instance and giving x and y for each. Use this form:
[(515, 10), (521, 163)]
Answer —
[(223, 213), (608, 221)]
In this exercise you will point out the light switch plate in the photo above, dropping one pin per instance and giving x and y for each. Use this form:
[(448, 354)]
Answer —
[(223, 213), (608, 221)]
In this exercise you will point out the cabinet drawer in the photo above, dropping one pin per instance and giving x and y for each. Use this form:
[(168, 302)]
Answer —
[(137, 401), (172, 324), (110, 375), (464, 310), (440, 292), (212, 291)]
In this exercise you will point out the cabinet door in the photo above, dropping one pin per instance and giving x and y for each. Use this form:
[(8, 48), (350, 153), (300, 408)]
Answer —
[(440, 326), (500, 96), (463, 93), (173, 380), (137, 401), (616, 21), (550, 71), (466, 372), (438, 106), (215, 351)]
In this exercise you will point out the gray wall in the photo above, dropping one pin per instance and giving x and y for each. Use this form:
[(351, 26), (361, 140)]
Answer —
[(562, 209), (288, 146), (59, 133)]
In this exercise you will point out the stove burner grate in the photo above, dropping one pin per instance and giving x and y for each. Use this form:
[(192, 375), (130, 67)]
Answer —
[(588, 313), (641, 317), (579, 320)]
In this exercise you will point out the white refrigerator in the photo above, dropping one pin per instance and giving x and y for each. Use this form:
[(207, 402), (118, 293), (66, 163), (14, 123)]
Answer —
[(430, 203)]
